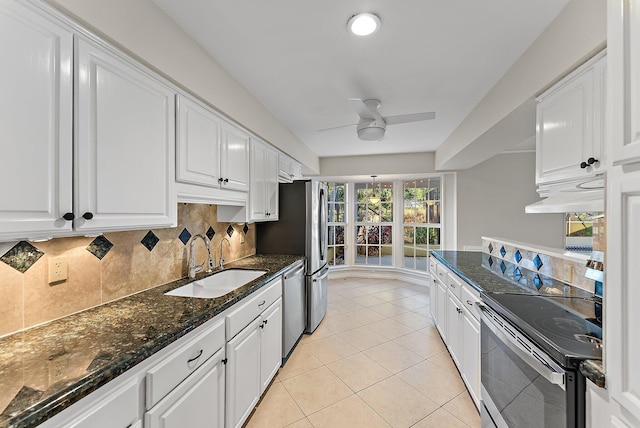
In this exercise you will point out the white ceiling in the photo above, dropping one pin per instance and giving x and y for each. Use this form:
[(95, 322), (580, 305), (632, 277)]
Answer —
[(297, 58)]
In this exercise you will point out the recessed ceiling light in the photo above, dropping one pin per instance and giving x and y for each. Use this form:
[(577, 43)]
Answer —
[(363, 24)]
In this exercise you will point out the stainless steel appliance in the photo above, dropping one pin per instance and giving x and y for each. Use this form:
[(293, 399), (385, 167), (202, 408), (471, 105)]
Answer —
[(293, 307), (531, 347), (302, 230)]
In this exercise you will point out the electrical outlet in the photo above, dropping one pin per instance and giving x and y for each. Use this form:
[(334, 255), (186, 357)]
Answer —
[(58, 366), (58, 269)]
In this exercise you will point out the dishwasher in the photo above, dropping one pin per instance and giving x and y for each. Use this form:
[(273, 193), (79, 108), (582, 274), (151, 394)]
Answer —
[(294, 305)]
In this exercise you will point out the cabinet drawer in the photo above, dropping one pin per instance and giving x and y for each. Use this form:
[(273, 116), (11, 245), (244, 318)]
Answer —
[(469, 300), (433, 265), (165, 376), (118, 409), (441, 273), (241, 317), (455, 285)]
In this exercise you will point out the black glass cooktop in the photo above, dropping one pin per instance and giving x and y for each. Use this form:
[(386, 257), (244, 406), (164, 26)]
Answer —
[(569, 329)]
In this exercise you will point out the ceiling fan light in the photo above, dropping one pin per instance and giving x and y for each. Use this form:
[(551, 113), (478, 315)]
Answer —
[(370, 133), (363, 24)]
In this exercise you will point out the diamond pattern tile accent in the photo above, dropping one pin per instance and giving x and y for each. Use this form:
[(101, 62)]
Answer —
[(230, 231), (490, 247), (537, 281), (517, 256), (184, 236), (210, 233), (490, 261), (245, 229), (517, 274), (150, 240), (502, 251), (22, 256), (100, 246), (537, 261), (503, 267)]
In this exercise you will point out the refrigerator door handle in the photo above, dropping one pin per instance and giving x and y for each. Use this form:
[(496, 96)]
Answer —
[(323, 275), (322, 225)]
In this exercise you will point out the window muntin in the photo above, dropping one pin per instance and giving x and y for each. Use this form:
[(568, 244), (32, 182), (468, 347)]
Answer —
[(336, 223), (421, 221)]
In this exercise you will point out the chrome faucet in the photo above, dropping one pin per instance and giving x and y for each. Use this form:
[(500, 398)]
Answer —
[(221, 256), (193, 269)]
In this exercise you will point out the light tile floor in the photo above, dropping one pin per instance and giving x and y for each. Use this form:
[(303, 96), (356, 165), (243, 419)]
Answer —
[(375, 361)]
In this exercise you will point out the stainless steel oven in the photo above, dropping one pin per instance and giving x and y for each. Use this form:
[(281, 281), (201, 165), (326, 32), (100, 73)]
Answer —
[(522, 386)]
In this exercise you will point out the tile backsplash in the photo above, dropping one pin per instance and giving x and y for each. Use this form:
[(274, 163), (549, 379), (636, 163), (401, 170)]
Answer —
[(108, 267), (536, 267)]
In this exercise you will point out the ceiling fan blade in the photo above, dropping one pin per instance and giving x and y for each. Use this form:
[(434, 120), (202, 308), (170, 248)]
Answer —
[(406, 118), (335, 127), (360, 107)]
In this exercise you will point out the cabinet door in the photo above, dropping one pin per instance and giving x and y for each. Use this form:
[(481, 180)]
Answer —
[(125, 145), (622, 291), (454, 328), (441, 311), (433, 297), (234, 154), (623, 41), (36, 109), (197, 401), (258, 202), (271, 343), (271, 195), (243, 374), (570, 125), (471, 355), (198, 145), (285, 168)]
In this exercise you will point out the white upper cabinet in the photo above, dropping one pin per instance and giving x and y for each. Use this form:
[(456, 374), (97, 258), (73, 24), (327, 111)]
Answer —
[(570, 125), (36, 110), (263, 200), (198, 145), (125, 144), (624, 38), (234, 157), (288, 169)]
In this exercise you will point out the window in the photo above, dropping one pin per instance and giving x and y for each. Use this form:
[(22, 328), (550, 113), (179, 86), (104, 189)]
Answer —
[(579, 231), (336, 223), (421, 221), (374, 223)]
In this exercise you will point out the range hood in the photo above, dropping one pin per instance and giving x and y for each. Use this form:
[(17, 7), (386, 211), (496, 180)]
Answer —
[(584, 197)]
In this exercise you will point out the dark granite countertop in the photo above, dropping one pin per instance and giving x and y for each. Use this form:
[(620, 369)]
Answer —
[(88, 349)]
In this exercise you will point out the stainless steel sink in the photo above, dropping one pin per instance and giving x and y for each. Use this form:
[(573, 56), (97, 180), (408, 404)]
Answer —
[(217, 284)]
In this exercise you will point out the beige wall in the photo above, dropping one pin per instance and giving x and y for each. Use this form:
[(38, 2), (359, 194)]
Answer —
[(146, 31), (404, 163), (574, 36), (491, 200), (28, 299)]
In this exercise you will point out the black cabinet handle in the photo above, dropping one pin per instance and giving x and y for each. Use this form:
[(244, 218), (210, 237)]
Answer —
[(226, 180), (583, 165), (262, 325), (69, 216), (591, 161), (195, 358), (224, 361), (87, 216), (262, 303), (265, 322), (220, 180)]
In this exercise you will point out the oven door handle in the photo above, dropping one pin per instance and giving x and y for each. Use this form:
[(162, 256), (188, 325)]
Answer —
[(550, 374)]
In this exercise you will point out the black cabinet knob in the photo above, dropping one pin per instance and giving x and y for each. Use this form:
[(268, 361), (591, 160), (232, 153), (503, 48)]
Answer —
[(226, 180), (220, 180), (87, 216), (68, 216), (591, 161), (583, 165)]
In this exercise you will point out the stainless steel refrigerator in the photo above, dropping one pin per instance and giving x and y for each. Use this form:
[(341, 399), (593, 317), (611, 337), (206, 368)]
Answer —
[(301, 230)]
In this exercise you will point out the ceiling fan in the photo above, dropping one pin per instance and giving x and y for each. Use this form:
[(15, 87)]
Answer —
[(372, 125)]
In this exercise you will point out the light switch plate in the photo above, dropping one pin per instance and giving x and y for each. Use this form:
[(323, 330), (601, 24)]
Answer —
[(58, 269)]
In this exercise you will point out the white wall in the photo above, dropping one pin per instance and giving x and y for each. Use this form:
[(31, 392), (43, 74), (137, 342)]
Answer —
[(574, 36), (404, 163), (491, 200), (146, 31)]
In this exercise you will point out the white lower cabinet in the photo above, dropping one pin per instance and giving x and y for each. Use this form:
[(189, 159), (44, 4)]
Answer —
[(196, 402), (458, 321), (271, 344)]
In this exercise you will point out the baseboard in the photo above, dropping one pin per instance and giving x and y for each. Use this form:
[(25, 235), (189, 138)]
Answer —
[(412, 277)]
